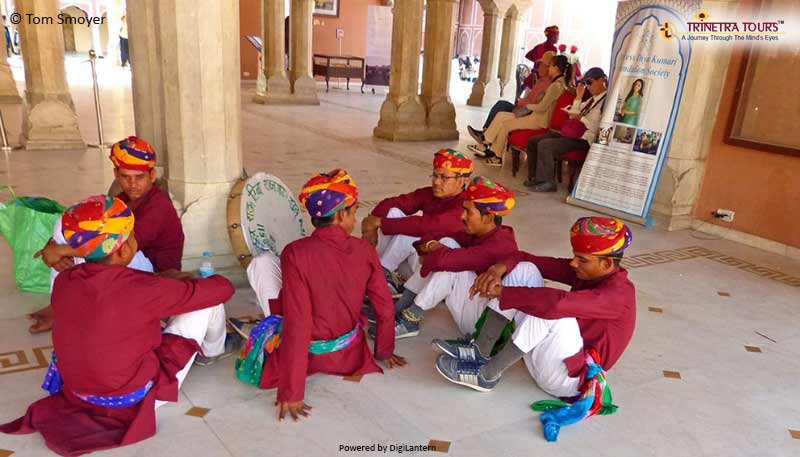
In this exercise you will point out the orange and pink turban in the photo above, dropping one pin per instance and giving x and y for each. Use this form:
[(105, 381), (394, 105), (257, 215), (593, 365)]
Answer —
[(453, 160), (489, 196), (326, 193), (603, 236), (133, 153), (97, 226)]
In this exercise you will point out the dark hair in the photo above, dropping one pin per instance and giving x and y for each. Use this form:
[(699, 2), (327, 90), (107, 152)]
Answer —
[(641, 91), (498, 220), (562, 63), (318, 222), (617, 258)]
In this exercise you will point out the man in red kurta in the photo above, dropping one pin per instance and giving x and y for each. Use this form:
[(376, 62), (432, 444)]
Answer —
[(450, 265), (324, 279), (109, 350), (534, 55), (555, 330), (158, 228), (395, 224)]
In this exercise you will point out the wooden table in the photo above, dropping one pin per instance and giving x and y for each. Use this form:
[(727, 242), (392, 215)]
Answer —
[(338, 67)]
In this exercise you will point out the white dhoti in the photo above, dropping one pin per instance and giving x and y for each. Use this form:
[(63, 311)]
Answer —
[(545, 342), (264, 275), (453, 289), (139, 261), (397, 252), (206, 327)]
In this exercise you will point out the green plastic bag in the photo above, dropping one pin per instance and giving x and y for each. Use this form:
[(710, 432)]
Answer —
[(27, 223)]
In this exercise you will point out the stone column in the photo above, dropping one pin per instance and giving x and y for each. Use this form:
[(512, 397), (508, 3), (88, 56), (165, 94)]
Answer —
[(507, 70), (486, 89), (200, 79), (403, 112), (439, 21), (8, 88), (277, 88), (146, 64), (304, 86), (682, 174), (50, 121)]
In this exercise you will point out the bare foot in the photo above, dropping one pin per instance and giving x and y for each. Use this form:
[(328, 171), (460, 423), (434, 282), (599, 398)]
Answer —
[(42, 320)]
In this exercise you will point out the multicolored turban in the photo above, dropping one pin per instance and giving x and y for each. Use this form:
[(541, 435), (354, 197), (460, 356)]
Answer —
[(489, 196), (325, 194), (454, 161), (97, 227), (550, 30), (133, 153), (604, 236)]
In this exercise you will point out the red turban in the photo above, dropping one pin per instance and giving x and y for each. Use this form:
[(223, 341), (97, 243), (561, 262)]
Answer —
[(489, 196), (133, 153), (325, 194), (605, 236), (553, 29), (454, 161)]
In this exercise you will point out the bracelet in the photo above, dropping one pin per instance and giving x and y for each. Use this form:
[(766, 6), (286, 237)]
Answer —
[(427, 245)]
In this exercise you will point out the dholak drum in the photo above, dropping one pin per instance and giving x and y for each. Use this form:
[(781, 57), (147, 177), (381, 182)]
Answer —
[(263, 215)]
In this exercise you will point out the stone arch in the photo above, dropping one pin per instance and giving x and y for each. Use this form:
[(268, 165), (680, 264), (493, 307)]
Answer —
[(77, 38)]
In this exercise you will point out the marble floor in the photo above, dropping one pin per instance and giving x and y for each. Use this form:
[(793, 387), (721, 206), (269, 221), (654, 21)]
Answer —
[(711, 370)]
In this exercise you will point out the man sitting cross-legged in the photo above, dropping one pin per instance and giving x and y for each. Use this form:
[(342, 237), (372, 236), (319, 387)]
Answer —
[(324, 279), (450, 265), (558, 333), (394, 224), (112, 364), (158, 228)]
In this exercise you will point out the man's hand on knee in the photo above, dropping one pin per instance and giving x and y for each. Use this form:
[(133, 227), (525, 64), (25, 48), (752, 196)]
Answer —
[(489, 283)]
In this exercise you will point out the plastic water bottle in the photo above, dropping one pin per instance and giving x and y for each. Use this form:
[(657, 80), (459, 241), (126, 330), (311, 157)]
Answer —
[(206, 268)]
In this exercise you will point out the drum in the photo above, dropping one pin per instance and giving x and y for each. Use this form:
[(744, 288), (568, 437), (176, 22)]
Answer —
[(263, 215)]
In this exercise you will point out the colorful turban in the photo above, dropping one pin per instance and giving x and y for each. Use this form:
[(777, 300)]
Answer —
[(553, 29), (490, 196), (133, 153), (605, 236), (97, 227), (454, 161), (325, 194)]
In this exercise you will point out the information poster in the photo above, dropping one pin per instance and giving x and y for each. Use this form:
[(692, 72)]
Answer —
[(649, 62)]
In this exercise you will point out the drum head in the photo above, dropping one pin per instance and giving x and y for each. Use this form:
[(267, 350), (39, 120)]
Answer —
[(263, 215)]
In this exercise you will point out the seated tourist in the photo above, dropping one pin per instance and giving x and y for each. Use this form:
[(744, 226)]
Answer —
[(394, 225), (495, 138), (577, 134), (158, 228), (323, 280), (559, 334), (532, 96), (450, 265), (112, 363)]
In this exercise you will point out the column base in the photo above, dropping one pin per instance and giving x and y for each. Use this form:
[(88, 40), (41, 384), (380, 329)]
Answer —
[(484, 93), (442, 120), (52, 124), (404, 122), (304, 91), (276, 91)]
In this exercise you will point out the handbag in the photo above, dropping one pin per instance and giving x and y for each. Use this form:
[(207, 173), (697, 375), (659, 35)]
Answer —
[(574, 128)]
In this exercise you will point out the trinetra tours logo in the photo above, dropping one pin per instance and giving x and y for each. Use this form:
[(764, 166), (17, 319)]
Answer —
[(703, 29)]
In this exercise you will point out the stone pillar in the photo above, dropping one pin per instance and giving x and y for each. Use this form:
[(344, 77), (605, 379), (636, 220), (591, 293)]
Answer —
[(439, 19), (507, 70), (403, 112), (486, 89), (148, 89), (8, 88), (304, 86), (50, 121), (682, 174), (277, 88), (200, 79)]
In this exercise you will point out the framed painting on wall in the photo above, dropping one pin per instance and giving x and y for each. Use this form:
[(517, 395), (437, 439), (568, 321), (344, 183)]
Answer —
[(328, 8)]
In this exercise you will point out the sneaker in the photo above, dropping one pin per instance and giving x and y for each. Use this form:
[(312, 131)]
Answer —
[(394, 281), (242, 328), (476, 135), (494, 161), (464, 372), (233, 344), (545, 187), (402, 329), (478, 150), (463, 348)]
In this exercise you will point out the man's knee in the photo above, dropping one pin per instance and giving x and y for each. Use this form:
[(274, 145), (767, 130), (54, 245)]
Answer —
[(525, 274), (450, 243)]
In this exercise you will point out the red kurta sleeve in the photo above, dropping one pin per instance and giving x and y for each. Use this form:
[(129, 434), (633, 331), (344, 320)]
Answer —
[(378, 293), (296, 332), (475, 258), (447, 222), (167, 297), (551, 268), (549, 303), (408, 203)]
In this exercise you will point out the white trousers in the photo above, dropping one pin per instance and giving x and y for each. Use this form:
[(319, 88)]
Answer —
[(139, 261), (396, 251), (206, 327), (546, 343), (264, 275)]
